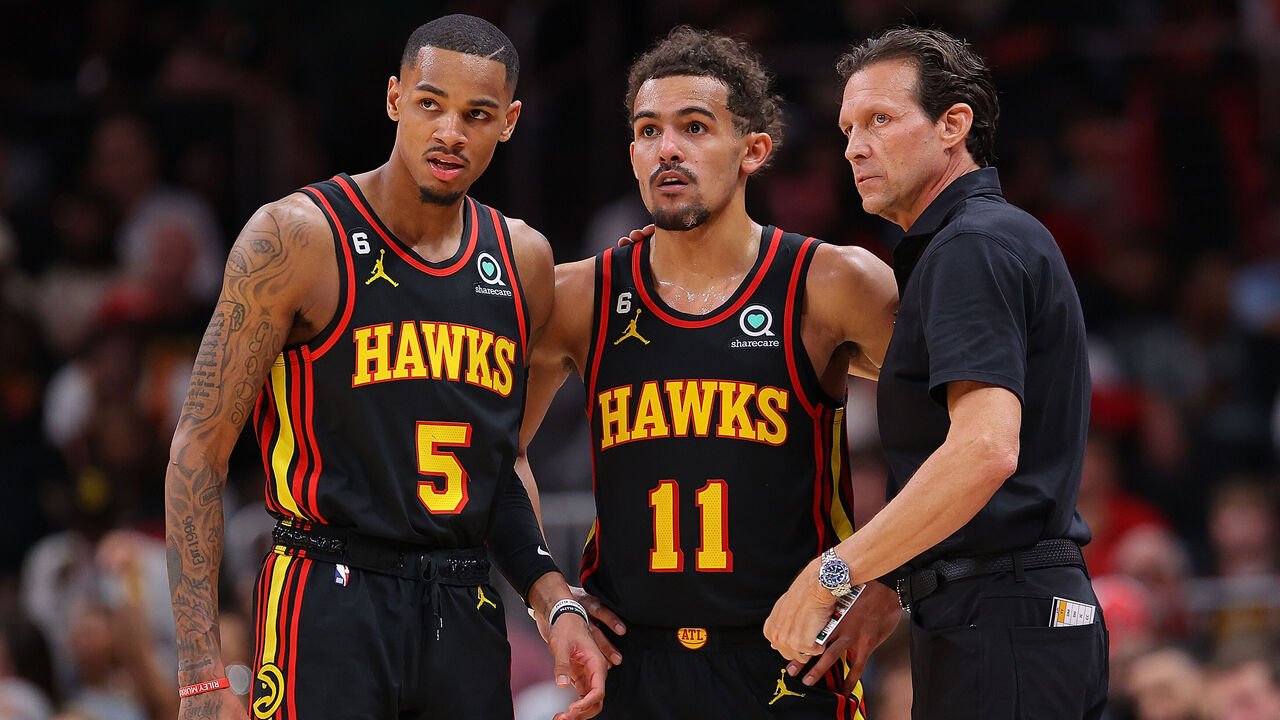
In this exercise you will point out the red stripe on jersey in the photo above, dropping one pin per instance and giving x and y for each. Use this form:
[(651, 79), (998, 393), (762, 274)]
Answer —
[(789, 321), (264, 442), (257, 416), (309, 397), (709, 321), (515, 286), (606, 290), (351, 273), (299, 588), (819, 518), (594, 556), (299, 440), (409, 256)]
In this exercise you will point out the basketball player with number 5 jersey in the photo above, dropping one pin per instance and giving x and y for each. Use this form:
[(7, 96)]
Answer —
[(715, 355), (374, 329)]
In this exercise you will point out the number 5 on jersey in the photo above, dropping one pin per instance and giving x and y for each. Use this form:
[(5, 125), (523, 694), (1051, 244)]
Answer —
[(713, 554), (449, 495)]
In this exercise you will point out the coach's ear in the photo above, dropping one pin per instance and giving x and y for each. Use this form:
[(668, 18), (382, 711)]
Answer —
[(953, 126), (393, 98)]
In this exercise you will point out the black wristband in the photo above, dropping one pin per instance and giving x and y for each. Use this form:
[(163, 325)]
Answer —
[(568, 606)]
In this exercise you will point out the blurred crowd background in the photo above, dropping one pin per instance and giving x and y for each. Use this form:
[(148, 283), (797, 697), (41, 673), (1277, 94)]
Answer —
[(137, 136)]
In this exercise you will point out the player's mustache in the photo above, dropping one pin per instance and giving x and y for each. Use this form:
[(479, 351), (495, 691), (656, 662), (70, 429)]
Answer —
[(673, 167), (446, 151)]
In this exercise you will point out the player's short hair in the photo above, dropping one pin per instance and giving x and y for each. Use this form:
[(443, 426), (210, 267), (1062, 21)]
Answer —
[(465, 34), (950, 72), (686, 51)]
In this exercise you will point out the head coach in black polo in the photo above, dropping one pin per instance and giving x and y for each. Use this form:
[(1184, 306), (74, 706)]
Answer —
[(983, 405)]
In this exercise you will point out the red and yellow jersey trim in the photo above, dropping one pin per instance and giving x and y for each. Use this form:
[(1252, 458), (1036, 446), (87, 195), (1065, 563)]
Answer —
[(283, 420), (410, 257), (743, 296)]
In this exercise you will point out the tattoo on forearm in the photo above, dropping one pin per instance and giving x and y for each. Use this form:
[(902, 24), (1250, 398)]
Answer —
[(230, 367)]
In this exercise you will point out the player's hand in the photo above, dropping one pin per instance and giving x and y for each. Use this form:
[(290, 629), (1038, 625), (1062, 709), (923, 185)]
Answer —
[(578, 662), (600, 614), (636, 236), (604, 616), (799, 615), (217, 704), (866, 624)]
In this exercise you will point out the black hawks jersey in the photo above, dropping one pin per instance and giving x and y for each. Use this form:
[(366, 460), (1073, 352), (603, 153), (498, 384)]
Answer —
[(400, 417), (720, 465)]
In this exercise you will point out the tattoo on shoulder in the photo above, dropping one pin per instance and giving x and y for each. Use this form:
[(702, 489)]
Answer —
[(258, 269)]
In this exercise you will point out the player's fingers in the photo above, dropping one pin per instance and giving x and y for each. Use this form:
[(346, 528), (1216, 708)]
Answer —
[(824, 662), (599, 611), (562, 669), (590, 686), (857, 663), (794, 667), (607, 648), (580, 710)]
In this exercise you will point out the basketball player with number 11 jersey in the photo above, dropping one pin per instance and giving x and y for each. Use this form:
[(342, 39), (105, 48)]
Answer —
[(715, 355)]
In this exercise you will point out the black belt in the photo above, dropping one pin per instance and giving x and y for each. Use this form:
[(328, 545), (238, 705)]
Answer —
[(922, 583), (450, 566), (688, 639)]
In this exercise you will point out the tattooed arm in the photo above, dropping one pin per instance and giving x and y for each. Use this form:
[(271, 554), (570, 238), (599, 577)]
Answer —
[(280, 286)]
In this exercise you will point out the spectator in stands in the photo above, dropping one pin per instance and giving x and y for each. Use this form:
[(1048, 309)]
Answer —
[(1166, 684), (1244, 684)]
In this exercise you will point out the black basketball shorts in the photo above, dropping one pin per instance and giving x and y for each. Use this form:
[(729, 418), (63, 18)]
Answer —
[(334, 641), (705, 673)]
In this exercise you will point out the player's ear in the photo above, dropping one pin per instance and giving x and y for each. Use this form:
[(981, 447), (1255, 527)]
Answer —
[(757, 148), (513, 114), (393, 98), (631, 152)]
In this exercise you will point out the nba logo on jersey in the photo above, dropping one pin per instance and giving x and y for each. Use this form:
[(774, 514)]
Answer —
[(341, 573)]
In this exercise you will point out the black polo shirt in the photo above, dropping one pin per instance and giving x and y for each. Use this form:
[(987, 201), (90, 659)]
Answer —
[(986, 296)]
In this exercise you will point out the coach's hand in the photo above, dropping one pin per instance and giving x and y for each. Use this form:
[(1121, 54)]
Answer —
[(578, 662), (636, 236), (799, 615), (867, 624)]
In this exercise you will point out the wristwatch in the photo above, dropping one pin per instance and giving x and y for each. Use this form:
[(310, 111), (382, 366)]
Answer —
[(834, 574)]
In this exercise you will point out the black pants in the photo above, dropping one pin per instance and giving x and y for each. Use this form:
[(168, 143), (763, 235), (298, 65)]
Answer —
[(983, 648), (376, 646)]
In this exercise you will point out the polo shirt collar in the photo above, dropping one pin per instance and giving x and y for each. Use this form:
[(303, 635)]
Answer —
[(983, 181)]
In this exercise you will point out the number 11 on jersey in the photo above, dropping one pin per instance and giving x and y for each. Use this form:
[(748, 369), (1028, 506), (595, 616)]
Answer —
[(713, 555)]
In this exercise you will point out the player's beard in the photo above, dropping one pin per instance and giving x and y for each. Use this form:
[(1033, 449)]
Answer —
[(687, 217), (684, 217), (431, 197)]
